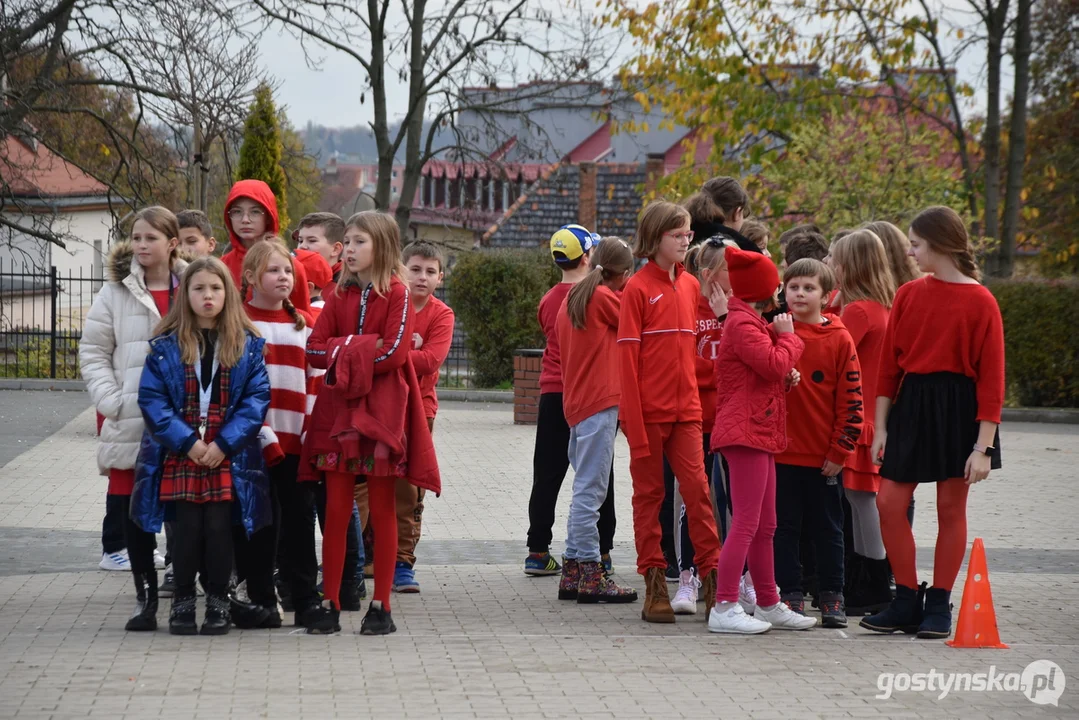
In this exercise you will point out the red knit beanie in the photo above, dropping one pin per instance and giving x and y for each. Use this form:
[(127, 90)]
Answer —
[(754, 276), (318, 270)]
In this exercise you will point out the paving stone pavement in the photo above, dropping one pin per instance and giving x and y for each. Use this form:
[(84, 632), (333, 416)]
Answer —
[(484, 640)]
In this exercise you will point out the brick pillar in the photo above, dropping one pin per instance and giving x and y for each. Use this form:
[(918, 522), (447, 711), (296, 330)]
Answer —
[(655, 166), (526, 372), (586, 204)]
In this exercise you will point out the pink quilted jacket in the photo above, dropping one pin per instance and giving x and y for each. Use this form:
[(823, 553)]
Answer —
[(751, 407)]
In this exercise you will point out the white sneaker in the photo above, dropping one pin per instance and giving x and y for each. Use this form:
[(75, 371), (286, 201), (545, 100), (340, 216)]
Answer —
[(685, 600), (159, 560), (783, 618), (735, 621), (747, 595), (117, 561)]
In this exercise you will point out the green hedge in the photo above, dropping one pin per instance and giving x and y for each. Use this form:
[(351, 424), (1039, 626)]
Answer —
[(495, 295), (1041, 337)]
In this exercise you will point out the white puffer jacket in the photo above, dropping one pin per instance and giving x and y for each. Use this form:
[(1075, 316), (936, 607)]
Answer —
[(115, 340)]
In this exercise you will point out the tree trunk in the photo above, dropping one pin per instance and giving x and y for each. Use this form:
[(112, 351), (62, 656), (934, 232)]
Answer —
[(198, 178), (1017, 142), (418, 103), (991, 141), (381, 125)]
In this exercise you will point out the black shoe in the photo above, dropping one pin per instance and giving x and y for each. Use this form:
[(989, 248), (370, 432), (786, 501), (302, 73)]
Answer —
[(217, 620), (272, 621), (168, 585), (937, 616), (144, 619), (247, 616), (871, 592), (832, 614), (795, 601), (350, 597), (672, 574), (377, 621), (182, 616), (322, 620), (904, 614), (312, 615)]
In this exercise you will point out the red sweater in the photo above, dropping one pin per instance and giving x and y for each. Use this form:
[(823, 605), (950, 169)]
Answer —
[(434, 323), (709, 330), (550, 380), (938, 326), (286, 364), (590, 373), (825, 410), (658, 350)]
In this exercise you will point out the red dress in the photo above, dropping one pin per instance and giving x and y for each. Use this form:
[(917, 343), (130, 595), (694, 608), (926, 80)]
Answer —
[(867, 322)]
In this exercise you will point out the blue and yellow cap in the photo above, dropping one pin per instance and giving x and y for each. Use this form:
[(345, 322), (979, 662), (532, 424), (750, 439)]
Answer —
[(571, 242)]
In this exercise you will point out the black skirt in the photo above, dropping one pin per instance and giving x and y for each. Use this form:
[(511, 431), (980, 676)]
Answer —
[(932, 429)]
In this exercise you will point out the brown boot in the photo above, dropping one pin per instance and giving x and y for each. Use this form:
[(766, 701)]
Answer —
[(657, 602), (708, 591)]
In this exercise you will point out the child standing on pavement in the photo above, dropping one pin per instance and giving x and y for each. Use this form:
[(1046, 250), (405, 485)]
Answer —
[(660, 407), (827, 411), (368, 423), (756, 363), (143, 276), (204, 394), (571, 246), (588, 331)]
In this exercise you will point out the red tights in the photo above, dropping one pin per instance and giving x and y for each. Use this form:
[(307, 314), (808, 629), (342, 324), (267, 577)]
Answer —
[(339, 500), (892, 502)]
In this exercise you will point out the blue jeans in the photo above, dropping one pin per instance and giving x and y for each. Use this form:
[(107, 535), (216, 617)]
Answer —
[(591, 452)]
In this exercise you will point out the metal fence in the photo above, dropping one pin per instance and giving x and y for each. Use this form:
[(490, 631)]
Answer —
[(42, 315)]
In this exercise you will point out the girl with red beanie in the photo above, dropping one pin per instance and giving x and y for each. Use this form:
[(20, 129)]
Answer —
[(660, 408), (944, 372), (756, 363), (368, 424)]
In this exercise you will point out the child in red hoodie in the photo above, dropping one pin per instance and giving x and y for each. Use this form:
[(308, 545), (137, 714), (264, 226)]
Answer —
[(368, 423), (251, 217), (660, 407), (827, 411), (755, 363), (588, 331)]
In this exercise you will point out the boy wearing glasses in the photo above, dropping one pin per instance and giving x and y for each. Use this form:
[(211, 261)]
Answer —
[(251, 217)]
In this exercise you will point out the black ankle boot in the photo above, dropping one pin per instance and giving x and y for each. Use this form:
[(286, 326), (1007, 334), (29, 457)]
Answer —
[(144, 619), (904, 614), (245, 615), (321, 620), (377, 621), (182, 616), (937, 618), (217, 620), (869, 592)]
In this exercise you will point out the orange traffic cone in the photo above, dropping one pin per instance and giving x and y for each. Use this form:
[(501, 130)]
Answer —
[(977, 626)]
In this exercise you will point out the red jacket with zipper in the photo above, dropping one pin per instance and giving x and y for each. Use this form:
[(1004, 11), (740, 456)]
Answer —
[(658, 350), (259, 192), (753, 362)]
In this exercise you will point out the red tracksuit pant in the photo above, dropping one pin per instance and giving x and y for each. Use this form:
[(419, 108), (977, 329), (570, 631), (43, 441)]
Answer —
[(681, 443)]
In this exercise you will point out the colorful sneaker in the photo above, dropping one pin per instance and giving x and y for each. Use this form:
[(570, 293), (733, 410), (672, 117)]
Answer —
[(781, 617), (571, 579), (685, 600), (608, 566), (116, 562), (747, 594), (540, 564), (596, 587), (832, 612), (795, 601), (404, 578)]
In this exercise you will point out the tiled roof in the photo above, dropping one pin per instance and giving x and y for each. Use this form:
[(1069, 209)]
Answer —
[(33, 171), (548, 205), (618, 199)]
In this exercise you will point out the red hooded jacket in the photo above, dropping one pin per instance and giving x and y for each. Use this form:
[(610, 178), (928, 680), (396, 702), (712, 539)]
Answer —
[(372, 392), (259, 192), (753, 362)]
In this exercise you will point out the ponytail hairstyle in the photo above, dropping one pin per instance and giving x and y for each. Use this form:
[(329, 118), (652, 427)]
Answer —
[(232, 322), (946, 233), (611, 258), (164, 221), (896, 246), (256, 261), (728, 195), (386, 250), (658, 218), (866, 275), (709, 255)]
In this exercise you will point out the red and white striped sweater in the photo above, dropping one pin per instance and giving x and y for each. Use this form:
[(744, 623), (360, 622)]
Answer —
[(286, 364)]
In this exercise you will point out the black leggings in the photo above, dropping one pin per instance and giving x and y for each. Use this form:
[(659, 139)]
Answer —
[(202, 538), (140, 544)]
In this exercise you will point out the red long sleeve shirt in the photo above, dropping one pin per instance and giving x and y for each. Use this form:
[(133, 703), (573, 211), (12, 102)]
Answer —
[(826, 410), (550, 380), (658, 350), (590, 373), (434, 324), (709, 331), (937, 326)]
